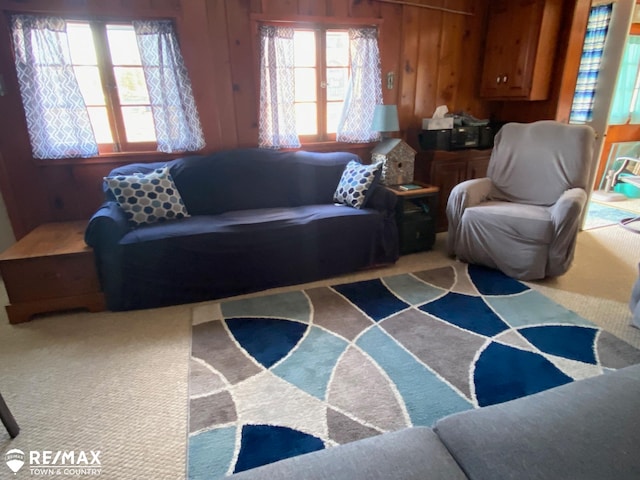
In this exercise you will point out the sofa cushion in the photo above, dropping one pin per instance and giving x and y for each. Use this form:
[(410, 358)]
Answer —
[(251, 178), (587, 429), (412, 453), (241, 228), (355, 183), (148, 198)]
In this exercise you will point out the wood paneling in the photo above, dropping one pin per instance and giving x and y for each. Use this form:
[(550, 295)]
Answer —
[(575, 43), (221, 81), (435, 58), (427, 62), (390, 49)]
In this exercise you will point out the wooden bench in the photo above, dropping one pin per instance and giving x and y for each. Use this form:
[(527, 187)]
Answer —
[(50, 269)]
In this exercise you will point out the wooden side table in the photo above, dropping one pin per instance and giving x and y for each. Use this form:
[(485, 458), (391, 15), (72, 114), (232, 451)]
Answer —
[(50, 269), (416, 217)]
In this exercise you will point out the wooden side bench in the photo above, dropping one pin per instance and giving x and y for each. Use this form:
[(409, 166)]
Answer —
[(50, 269)]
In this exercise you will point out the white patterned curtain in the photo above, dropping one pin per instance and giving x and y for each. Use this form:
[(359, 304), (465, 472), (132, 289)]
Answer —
[(57, 118), (174, 110), (277, 88), (365, 88), (597, 28)]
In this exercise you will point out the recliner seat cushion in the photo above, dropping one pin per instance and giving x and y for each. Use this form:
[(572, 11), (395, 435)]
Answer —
[(513, 238), (523, 221)]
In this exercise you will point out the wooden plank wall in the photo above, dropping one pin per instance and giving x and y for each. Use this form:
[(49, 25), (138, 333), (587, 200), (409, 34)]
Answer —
[(435, 58)]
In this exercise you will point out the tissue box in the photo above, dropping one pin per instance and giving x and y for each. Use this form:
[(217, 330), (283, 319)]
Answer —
[(437, 123)]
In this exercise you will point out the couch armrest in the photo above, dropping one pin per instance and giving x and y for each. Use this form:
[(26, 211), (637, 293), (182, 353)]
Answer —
[(388, 248), (106, 227), (464, 195), (382, 200), (566, 215)]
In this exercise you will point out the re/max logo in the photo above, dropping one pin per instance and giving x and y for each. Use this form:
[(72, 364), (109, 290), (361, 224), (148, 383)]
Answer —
[(48, 457)]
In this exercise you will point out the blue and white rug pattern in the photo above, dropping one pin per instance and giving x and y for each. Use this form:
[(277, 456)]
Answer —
[(281, 375)]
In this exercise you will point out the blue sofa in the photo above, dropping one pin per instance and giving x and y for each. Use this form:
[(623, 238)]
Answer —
[(258, 219)]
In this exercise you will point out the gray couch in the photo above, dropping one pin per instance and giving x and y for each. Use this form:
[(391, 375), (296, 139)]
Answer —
[(588, 429)]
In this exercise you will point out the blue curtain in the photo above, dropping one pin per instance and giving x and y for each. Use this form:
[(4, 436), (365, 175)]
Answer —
[(57, 118), (277, 126), (597, 28), (626, 104), (174, 109), (364, 91)]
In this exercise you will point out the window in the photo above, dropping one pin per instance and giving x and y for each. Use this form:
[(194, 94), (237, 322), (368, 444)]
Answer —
[(322, 67), (626, 100), (590, 61), (318, 84), (91, 87), (107, 65)]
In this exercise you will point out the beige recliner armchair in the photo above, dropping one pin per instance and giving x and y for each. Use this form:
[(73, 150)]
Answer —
[(524, 217)]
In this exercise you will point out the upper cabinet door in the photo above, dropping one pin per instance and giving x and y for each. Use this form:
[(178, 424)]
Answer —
[(520, 49)]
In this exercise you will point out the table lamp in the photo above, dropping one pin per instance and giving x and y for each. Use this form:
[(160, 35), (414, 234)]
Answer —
[(396, 156)]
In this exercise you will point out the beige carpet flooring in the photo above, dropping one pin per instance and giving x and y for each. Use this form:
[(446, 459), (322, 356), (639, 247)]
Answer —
[(117, 382)]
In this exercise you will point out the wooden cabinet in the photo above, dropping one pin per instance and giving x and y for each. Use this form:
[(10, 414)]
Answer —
[(50, 269), (445, 169), (520, 49)]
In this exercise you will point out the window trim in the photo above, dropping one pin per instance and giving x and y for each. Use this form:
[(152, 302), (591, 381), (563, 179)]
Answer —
[(105, 66), (321, 92), (107, 14), (308, 22)]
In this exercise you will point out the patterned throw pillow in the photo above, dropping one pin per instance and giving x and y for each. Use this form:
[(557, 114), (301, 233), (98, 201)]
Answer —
[(356, 181), (148, 198)]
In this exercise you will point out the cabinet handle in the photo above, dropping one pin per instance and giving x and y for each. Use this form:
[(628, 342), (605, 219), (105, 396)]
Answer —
[(498, 79), (504, 79)]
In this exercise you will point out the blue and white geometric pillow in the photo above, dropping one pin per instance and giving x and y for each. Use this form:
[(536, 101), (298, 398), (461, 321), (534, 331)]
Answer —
[(355, 182), (148, 198)]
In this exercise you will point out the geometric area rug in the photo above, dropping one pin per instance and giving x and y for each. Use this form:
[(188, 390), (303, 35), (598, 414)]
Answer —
[(280, 375)]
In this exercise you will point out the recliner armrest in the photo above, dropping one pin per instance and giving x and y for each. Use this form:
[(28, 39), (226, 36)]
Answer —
[(568, 206), (471, 192), (464, 195), (566, 217), (382, 200)]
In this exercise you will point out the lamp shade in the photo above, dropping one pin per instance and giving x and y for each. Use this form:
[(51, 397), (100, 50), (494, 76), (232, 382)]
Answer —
[(385, 119)]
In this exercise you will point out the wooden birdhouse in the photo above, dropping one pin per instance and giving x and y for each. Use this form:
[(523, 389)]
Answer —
[(397, 159)]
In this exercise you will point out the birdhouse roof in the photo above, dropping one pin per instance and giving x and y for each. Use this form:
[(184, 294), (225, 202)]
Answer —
[(385, 147)]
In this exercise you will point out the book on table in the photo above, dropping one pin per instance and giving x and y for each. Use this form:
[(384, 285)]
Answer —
[(409, 186)]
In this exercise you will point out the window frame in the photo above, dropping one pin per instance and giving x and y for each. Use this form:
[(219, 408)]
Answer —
[(109, 88), (304, 22), (321, 101)]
